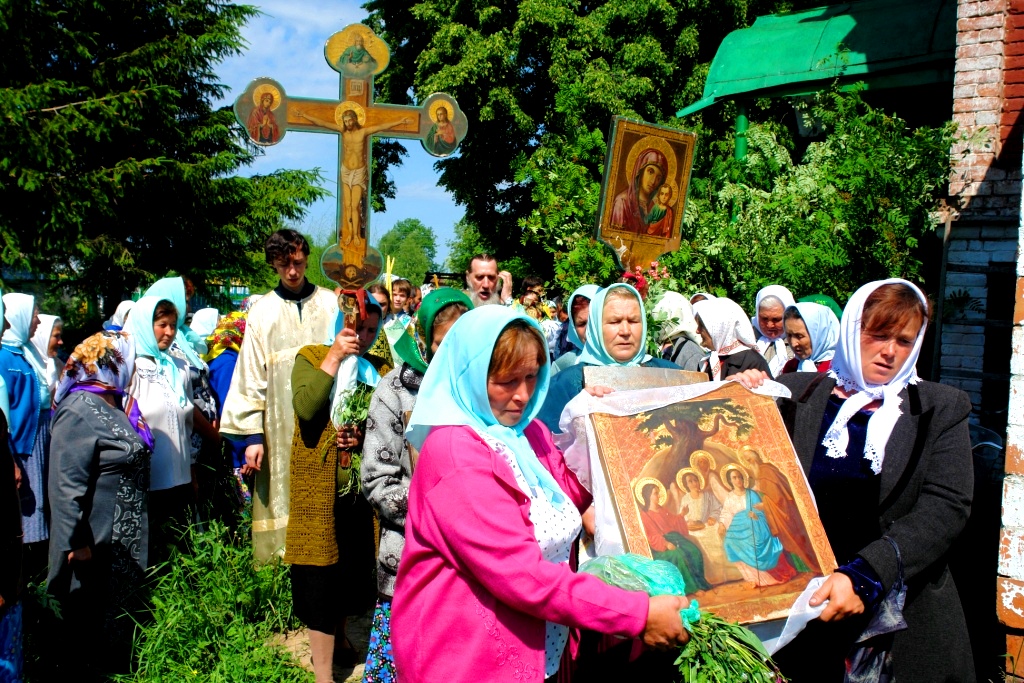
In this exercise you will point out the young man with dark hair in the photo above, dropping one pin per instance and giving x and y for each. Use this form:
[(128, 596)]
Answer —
[(258, 408)]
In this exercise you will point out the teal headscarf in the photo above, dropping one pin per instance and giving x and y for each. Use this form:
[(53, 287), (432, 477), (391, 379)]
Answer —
[(454, 392), (140, 326), (191, 344), (824, 300), (594, 351), (587, 292)]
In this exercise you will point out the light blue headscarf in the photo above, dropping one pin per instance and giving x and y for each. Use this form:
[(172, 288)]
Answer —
[(587, 292), (594, 351), (20, 310), (140, 326), (191, 344), (823, 329), (454, 392)]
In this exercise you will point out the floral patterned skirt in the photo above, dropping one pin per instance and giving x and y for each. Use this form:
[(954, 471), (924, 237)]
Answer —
[(380, 659)]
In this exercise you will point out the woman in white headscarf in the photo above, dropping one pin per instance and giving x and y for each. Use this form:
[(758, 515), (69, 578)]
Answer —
[(24, 371), (47, 341), (726, 331), (678, 331), (204, 322), (888, 457), (812, 331), (116, 321), (771, 304)]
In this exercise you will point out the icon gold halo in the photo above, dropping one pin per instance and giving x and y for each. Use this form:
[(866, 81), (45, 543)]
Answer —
[(349, 105), (441, 104), (651, 142), (267, 88)]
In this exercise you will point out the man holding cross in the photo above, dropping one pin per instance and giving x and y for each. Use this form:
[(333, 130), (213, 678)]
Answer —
[(258, 408)]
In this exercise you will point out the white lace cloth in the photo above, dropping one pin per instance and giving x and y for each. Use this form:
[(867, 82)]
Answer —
[(556, 529)]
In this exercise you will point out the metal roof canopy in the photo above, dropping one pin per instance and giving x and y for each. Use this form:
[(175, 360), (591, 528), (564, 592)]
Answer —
[(885, 44)]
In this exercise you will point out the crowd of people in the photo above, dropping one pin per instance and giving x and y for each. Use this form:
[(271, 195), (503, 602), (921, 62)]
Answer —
[(419, 425)]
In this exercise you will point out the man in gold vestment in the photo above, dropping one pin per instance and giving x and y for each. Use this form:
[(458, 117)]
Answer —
[(258, 407)]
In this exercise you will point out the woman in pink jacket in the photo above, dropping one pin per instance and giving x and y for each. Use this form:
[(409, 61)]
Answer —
[(484, 589)]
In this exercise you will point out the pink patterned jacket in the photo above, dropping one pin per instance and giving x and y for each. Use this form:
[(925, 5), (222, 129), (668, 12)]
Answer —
[(473, 592)]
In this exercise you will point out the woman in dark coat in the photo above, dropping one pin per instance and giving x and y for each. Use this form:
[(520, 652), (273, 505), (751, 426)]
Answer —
[(99, 476), (888, 458)]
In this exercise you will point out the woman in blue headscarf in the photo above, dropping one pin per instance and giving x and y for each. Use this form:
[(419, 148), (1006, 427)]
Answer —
[(616, 336), (576, 326), (493, 515), (162, 390), (812, 331), (24, 372), (188, 347), (330, 536)]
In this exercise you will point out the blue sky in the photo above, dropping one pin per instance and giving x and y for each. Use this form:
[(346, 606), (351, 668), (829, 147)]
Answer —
[(287, 43)]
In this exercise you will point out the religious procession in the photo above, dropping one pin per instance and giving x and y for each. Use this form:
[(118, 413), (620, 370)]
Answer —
[(714, 380)]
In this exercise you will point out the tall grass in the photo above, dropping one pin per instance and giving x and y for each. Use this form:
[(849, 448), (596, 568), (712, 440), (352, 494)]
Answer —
[(214, 611)]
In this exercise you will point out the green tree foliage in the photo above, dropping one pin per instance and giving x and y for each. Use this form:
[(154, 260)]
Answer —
[(414, 248), (115, 167), (540, 80), (854, 210), (466, 244)]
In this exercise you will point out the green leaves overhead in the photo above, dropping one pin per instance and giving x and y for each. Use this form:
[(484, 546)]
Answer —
[(114, 167), (414, 248)]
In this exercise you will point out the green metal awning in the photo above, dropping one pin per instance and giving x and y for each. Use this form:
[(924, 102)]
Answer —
[(883, 43)]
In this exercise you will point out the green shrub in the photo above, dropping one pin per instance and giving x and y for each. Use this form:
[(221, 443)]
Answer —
[(214, 611)]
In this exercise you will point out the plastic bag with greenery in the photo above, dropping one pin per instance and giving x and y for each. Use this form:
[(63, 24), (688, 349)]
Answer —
[(719, 651)]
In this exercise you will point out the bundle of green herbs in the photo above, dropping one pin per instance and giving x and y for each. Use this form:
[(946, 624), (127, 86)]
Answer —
[(719, 651), (354, 409)]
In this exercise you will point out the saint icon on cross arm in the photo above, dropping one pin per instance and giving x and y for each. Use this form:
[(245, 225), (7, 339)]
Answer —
[(262, 123), (441, 140)]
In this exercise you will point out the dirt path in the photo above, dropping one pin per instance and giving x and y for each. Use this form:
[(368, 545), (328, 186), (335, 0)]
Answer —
[(358, 631)]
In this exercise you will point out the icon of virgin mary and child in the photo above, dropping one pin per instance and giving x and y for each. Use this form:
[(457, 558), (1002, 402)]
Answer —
[(645, 206)]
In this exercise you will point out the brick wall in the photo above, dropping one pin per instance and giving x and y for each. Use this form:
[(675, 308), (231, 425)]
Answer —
[(985, 188), (982, 349)]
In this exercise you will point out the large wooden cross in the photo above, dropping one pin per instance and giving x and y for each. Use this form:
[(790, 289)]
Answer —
[(357, 54)]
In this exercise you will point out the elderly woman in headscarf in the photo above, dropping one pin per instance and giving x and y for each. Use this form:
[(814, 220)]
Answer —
[(616, 336), (47, 341), (23, 370), (224, 343), (726, 331), (576, 326), (116, 322), (330, 536), (493, 515), (633, 205), (386, 466), (771, 304), (678, 332), (162, 389), (99, 477), (812, 331), (888, 458), (188, 347)]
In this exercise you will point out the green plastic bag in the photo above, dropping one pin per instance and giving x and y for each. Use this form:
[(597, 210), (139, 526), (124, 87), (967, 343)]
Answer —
[(637, 573)]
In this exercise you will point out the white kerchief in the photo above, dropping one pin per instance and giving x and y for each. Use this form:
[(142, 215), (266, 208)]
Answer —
[(848, 372), (729, 328), (763, 342), (822, 329)]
